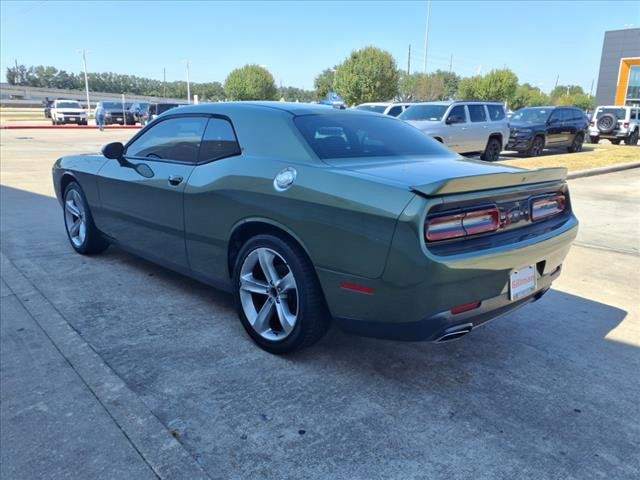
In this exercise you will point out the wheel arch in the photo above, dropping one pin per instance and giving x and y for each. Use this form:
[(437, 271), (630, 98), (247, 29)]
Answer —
[(250, 227)]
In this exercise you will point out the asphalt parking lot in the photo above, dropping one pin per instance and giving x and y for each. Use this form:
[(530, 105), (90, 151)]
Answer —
[(115, 368)]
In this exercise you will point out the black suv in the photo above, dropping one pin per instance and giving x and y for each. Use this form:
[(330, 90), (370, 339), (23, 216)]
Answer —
[(535, 128)]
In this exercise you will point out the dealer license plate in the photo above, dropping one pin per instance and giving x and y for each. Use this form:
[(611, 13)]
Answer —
[(522, 282)]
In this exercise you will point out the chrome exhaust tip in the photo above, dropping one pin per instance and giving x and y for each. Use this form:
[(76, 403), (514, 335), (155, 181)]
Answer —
[(454, 333)]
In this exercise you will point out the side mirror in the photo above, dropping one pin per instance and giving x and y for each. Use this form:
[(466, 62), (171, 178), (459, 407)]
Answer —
[(451, 119), (113, 151)]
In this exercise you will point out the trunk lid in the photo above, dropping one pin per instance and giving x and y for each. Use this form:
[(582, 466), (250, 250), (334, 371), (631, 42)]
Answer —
[(447, 175)]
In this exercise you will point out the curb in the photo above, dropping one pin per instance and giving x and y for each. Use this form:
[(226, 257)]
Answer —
[(602, 170), (167, 457), (64, 127)]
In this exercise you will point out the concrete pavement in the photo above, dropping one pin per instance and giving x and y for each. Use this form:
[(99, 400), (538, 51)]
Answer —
[(550, 391)]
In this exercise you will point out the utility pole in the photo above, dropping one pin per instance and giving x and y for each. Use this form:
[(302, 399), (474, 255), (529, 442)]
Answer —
[(591, 89), (86, 80), (557, 78), (450, 63), (409, 61), (164, 82), (188, 84), (426, 35)]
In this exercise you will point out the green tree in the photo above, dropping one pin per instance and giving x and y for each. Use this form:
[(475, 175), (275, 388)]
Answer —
[(497, 85), (528, 96), (450, 82), (324, 82), (251, 82), (367, 75), (561, 90), (293, 94), (580, 100), (470, 88)]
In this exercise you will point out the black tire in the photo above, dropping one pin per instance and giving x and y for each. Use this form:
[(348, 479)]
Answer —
[(536, 147), (632, 139), (615, 141), (53, 122), (492, 150), (93, 241), (594, 139), (576, 145), (312, 317), (607, 123)]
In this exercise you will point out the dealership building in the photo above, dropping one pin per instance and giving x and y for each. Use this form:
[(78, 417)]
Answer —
[(619, 77)]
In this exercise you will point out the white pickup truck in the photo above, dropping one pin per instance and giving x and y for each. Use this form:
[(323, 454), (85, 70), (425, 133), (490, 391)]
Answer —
[(67, 111)]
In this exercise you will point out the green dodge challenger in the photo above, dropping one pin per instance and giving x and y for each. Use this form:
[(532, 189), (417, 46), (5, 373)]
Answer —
[(309, 214)]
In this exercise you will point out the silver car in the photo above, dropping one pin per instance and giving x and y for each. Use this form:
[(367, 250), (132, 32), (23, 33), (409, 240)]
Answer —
[(464, 127)]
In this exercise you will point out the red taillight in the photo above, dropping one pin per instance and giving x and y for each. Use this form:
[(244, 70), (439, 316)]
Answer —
[(591, 124), (464, 308), (626, 124), (547, 207), (462, 224)]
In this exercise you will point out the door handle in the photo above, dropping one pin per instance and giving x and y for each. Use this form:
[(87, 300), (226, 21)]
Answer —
[(175, 180)]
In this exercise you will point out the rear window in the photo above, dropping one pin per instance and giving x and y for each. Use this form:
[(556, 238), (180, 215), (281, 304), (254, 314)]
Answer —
[(355, 136), (496, 112), (620, 113)]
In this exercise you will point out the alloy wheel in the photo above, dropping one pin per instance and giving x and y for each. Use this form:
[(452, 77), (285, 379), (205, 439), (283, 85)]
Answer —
[(269, 294), (75, 217), (536, 149)]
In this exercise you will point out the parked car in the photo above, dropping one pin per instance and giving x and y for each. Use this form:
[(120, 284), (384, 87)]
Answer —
[(114, 112), (464, 127), (156, 109), (615, 123), (333, 99), (67, 111), (308, 213), (535, 128), (138, 113), (386, 108)]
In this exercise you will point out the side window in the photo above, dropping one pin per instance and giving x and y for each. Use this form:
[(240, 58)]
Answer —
[(395, 111), (172, 139), (477, 113), (218, 141), (556, 116), (459, 113), (496, 112), (576, 115)]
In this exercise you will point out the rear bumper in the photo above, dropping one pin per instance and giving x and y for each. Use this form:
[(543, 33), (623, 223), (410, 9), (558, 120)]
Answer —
[(594, 132)]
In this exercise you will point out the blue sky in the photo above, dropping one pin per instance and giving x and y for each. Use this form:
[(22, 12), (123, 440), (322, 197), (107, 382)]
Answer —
[(296, 40)]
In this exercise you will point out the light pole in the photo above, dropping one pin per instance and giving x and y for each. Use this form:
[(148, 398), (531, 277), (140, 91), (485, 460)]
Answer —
[(86, 80), (188, 84), (426, 35)]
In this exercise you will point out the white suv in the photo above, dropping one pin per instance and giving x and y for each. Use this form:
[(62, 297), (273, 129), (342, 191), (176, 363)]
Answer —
[(464, 127), (67, 111), (615, 123), (386, 108)]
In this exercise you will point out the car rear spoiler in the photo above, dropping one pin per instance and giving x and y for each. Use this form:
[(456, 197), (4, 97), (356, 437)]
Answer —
[(489, 181)]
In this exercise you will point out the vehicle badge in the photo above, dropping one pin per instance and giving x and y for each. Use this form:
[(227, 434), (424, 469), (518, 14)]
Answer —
[(284, 179)]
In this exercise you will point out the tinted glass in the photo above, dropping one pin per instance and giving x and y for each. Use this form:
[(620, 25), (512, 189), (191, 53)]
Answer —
[(163, 107), (172, 139), (372, 108), (477, 113), (346, 135), (620, 113), (531, 115), (424, 112), (496, 112), (218, 141), (395, 111), (68, 105), (458, 111)]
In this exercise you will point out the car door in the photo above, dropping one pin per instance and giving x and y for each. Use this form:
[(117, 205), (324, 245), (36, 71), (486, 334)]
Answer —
[(456, 129), (142, 207), (477, 131), (554, 136)]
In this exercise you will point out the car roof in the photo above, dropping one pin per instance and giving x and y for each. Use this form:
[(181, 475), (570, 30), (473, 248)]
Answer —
[(382, 104), (293, 108)]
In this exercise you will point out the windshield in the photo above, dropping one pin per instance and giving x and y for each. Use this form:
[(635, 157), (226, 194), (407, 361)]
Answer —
[(372, 108), (113, 105), (68, 105), (620, 113), (424, 112), (531, 115), (349, 135)]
